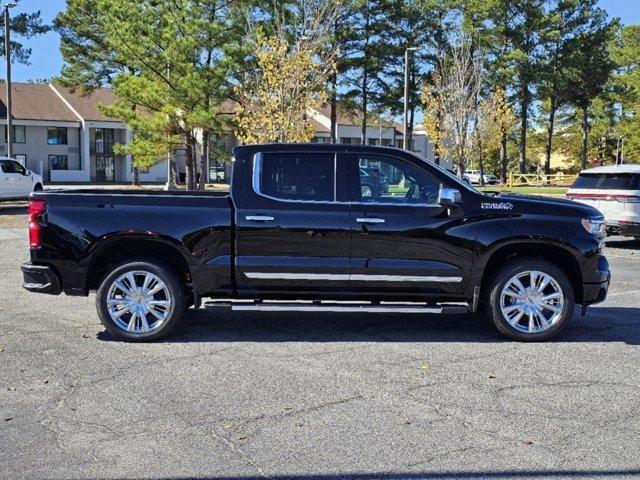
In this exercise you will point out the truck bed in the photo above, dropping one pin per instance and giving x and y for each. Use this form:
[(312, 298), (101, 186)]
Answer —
[(87, 227)]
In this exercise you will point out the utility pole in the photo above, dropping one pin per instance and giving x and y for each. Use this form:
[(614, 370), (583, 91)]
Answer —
[(7, 55), (406, 143)]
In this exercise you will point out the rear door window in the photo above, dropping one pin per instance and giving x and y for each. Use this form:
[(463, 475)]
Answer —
[(296, 176), (608, 181)]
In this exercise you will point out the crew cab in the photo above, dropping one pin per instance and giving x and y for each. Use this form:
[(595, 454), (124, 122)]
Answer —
[(296, 234), (16, 181), (613, 190)]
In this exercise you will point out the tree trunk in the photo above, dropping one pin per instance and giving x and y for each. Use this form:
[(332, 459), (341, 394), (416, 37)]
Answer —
[(503, 158), (585, 136), (135, 178), (204, 163), (524, 106), (548, 146), (190, 164), (334, 108), (365, 106)]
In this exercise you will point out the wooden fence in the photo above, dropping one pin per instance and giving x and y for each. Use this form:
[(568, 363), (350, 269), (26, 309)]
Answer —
[(540, 180)]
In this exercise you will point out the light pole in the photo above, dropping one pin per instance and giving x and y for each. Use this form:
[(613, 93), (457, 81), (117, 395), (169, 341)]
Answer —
[(405, 142), (7, 54)]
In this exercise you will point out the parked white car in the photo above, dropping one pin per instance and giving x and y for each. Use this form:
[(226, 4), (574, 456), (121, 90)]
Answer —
[(615, 191), (16, 181), (473, 177)]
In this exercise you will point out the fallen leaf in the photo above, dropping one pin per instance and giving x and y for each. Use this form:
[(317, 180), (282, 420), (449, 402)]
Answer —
[(491, 375), (528, 442), (242, 438), (287, 408), (6, 419), (425, 366)]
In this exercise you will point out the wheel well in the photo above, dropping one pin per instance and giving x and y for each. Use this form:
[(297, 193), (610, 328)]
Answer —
[(559, 256), (119, 251), (37, 186)]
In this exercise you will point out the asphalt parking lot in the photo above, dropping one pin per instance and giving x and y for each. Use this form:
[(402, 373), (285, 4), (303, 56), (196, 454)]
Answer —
[(248, 396)]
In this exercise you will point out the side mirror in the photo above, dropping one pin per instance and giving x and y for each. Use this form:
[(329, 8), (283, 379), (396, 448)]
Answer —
[(449, 197)]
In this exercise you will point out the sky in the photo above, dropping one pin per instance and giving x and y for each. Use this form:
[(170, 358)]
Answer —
[(46, 60)]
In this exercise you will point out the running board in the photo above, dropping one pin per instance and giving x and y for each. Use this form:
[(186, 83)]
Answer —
[(341, 307)]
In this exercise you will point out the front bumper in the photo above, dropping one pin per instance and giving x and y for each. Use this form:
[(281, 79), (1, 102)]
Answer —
[(40, 279), (596, 292)]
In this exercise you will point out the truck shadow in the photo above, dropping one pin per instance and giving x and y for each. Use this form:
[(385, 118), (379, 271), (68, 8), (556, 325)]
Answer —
[(603, 324), (626, 244)]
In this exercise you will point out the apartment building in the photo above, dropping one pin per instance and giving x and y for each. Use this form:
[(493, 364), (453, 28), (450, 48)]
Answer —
[(66, 137)]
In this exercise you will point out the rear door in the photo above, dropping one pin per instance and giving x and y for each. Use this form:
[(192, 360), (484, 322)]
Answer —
[(403, 242), (293, 223), (23, 180)]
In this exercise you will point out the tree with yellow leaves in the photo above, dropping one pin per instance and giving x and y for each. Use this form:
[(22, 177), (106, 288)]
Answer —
[(289, 78), (494, 118)]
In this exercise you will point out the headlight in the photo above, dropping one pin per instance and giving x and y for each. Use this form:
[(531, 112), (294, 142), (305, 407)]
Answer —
[(595, 227)]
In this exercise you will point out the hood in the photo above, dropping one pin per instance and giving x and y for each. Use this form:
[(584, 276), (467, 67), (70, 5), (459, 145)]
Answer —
[(550, 205)]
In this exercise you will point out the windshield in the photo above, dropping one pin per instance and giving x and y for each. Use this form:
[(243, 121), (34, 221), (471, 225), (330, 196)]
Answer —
[(608, 181)]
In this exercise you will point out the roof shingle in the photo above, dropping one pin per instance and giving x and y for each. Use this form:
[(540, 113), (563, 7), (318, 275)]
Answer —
[(35, 101)]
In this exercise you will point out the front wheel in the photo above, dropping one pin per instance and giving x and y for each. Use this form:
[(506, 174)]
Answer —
[(530, 300), (140, 301)]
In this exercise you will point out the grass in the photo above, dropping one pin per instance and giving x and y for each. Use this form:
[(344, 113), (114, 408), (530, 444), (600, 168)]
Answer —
[(525, 190)]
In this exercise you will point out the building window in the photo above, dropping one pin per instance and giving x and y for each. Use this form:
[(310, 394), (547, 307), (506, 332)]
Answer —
[(386, 142), (19, 134), (104, 140), (345, 140), (57, 136), (21, 159), (372, 141), (59, 162)]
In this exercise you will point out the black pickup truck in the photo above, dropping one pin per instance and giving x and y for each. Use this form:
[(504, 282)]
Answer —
[(302, 230)]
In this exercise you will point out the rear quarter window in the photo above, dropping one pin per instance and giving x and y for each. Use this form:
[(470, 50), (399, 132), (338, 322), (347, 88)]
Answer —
[(608, 181)]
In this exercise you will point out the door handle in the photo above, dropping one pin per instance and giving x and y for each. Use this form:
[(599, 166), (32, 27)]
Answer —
[(259, 218), (369, 220)]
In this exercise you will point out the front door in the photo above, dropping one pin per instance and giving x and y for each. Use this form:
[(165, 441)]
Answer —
[(10, 180), (293, 224), (105, 169), (403, 241)]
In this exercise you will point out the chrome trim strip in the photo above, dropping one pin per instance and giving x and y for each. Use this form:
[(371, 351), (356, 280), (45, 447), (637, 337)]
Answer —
[(259, 218), (355, 277), (255, 183), (297, 276), (369, 220)]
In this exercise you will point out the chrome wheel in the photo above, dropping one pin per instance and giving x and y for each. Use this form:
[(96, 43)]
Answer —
[(138, 302), (532, 301)]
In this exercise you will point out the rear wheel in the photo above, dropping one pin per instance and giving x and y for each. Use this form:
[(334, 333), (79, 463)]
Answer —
[(530, 300), (140, 301)]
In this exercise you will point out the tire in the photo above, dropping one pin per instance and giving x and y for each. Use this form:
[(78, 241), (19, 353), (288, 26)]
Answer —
[(162, 309), (557, 312)]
